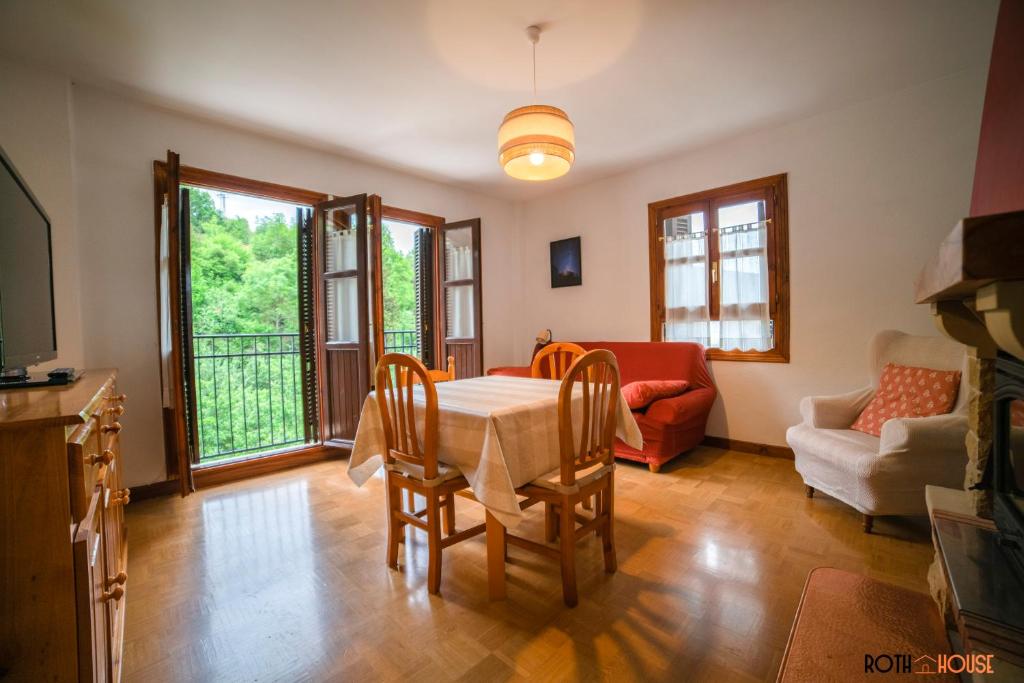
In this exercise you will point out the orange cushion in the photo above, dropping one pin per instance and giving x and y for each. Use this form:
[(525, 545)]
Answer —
[(904, 391), (639, 395)]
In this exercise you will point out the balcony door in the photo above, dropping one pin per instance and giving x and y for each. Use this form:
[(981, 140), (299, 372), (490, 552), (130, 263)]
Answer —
[(237, 323), (344, 314), (428, 280), (461, 306)]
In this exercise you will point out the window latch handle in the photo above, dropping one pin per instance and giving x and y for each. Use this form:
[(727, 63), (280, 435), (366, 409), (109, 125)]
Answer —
[(714, 272)]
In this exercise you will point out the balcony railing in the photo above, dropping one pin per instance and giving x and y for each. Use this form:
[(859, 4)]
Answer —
[(248, 394), (401, 341), (249, 391)]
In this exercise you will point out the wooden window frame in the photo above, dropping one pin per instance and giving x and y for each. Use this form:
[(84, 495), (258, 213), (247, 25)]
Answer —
[(212, 180), (773, 190), (245, 467)]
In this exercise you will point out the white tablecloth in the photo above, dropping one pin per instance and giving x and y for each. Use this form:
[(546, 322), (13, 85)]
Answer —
[(501, 432)]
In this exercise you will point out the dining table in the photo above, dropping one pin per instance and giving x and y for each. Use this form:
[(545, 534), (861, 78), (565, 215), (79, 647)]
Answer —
[(501, 432)]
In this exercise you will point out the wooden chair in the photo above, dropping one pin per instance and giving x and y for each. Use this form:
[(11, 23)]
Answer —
[(411, 463), (553, 361), (584, 472)]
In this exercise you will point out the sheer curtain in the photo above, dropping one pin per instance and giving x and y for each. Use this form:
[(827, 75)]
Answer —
[(686, 292), (743, 307), (343, 292), (459, 302)]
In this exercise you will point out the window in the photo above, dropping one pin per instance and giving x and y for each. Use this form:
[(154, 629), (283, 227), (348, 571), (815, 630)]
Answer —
[(720, 270)]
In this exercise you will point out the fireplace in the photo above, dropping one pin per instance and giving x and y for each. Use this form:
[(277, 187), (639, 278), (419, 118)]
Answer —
[(1007, 462), (975, 285)]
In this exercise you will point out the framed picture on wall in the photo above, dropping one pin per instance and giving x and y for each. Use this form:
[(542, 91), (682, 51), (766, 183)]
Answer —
[(566, 265)]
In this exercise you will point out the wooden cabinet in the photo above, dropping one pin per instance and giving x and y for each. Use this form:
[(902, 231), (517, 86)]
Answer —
[(64, 565)]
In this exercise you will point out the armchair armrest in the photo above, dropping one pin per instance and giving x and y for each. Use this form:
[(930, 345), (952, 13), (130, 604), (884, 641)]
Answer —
[(695, 402), (937, 434), (834, 412)]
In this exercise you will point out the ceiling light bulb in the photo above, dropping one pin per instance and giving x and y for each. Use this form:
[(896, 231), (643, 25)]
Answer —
[(536, 158)]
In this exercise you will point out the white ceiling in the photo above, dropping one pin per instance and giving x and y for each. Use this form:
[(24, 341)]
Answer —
[(422, 85)]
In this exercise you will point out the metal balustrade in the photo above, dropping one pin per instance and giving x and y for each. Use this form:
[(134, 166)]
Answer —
[(248, 394), (249, 391)]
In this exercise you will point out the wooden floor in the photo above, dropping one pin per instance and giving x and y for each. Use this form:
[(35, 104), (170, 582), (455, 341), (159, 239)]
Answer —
[(283, 578)]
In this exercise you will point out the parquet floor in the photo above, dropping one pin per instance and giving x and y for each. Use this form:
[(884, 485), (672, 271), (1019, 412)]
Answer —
[(283, 578)]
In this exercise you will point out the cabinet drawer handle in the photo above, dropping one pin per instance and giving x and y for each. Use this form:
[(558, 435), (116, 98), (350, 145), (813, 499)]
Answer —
[(120, 398), (121, 497), (115, 593), (117, 411), (114, 428), (117, 580), (104, 458)]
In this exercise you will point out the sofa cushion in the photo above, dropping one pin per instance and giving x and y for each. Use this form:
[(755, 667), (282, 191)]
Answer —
[(641, 394), (905, 391)]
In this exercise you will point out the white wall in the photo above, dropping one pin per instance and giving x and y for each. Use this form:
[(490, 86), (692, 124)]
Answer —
[(36, 132), (116, 142), (872, 189)]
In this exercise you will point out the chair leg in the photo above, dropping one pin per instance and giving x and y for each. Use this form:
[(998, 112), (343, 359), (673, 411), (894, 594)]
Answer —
[(395, 531), (449, 514), (410, 501), (809, 490), (568, 533), (434, 542), (869, 522), (607, 510), (550, 523), (588, 503)]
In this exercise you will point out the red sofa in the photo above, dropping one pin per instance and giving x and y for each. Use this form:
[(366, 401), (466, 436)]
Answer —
[(669, 426)]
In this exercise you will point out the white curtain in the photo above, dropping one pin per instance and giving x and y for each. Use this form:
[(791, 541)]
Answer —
[(166, 334), (743, 277), (342, 293), (341, 250), (459, 303), (686, 292)]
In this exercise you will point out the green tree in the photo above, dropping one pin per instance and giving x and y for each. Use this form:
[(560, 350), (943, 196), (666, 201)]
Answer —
[(270, 302), (219, 263), (201, 209), (399, 289), (274, 238)]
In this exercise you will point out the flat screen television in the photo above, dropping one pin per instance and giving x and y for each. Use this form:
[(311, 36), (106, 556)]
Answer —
[(28, 333)]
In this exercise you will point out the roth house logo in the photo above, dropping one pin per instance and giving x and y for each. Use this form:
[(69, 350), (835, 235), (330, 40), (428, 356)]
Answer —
[(926, 665)]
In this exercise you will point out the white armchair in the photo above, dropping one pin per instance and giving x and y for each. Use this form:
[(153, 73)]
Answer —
[(886, 475)]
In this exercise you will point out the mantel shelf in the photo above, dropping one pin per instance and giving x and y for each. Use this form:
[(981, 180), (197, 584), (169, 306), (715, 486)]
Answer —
[(978, 252)]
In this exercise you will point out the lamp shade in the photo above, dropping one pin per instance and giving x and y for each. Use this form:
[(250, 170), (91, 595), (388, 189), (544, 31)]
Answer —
[(536, 143)]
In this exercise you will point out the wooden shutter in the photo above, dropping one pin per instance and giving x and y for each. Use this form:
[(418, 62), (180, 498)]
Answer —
[(307, 322), (343, 315), (461, 296), (174, 303), (185, 326), (425, 301), (375, 276)]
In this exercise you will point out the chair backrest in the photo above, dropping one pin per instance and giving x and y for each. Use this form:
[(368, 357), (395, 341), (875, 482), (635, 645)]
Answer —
[(553, 361), (936, 353), (441, 375), (597, 373), (396, 375)]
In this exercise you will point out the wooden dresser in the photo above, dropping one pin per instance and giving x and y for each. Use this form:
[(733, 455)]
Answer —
[(63, 573)]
